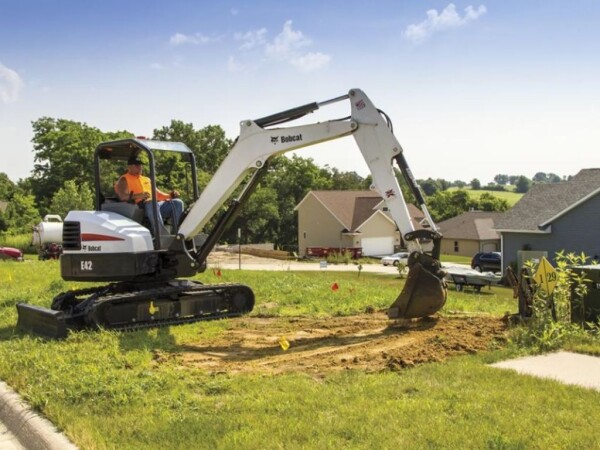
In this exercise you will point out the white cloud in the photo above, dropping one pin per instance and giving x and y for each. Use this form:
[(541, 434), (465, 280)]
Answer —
[(287, 46), (286, 42), (435, 22), (10, 84), (311, 61), (252, 39), (195, 39)]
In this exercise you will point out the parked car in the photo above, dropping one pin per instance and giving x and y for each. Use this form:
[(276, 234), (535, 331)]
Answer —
[(11, 253), (395, 259), (487, 262)]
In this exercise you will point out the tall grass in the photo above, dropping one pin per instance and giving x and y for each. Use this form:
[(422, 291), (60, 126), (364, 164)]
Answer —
[(21, 241)]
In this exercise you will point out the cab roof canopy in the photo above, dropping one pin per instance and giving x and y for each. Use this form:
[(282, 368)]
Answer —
[(123, 149)]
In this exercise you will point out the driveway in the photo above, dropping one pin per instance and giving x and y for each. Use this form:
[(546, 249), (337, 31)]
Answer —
[(230, 261)]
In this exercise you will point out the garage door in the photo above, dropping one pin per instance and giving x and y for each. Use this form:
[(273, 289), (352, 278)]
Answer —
[(377, 246)]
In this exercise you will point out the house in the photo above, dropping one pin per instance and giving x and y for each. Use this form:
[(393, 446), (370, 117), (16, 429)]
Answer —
[(469, 233), (353, 220), (554, 217)]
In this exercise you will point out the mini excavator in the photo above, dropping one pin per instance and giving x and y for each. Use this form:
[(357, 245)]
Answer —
[(146, 268)]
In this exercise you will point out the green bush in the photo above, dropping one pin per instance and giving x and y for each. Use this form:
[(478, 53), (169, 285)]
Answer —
[(550, 325), (338, 258)]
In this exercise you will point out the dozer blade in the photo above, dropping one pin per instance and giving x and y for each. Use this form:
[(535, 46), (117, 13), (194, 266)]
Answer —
[(41, 321), (423, 295)]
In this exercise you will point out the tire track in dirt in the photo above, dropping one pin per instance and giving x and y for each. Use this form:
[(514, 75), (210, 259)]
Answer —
[(367, 342)]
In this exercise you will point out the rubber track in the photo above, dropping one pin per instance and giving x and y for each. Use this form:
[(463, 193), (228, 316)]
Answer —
[(161, 293), (144, 295)]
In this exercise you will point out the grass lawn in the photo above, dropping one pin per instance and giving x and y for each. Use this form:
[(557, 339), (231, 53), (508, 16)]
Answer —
[(509, 196), (131, 390)]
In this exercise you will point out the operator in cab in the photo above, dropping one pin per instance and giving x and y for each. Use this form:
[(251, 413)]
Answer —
[(134, 187)]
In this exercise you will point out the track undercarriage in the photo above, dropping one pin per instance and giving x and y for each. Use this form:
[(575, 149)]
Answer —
[(132, 306)]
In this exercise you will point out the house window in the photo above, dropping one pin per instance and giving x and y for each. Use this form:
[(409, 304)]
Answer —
[(455, 246)]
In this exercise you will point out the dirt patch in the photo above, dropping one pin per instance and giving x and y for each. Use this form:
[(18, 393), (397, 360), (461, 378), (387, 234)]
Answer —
[(368, 342)]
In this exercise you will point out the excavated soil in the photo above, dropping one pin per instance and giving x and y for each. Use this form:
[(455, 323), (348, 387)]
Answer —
[(367, 342)]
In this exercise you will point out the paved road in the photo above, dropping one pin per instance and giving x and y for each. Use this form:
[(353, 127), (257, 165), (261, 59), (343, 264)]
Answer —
[(310, 266), (304, 266)]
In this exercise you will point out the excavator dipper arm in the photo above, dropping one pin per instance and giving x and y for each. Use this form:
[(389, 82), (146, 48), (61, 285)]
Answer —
[(425, 292)]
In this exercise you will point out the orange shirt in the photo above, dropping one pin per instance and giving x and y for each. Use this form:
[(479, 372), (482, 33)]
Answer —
[(139, 184)]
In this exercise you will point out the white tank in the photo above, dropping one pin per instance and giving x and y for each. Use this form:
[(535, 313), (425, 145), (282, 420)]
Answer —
[(48, 230)]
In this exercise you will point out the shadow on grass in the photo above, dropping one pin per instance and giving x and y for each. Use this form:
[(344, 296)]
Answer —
[(159, 338), (8, 332)]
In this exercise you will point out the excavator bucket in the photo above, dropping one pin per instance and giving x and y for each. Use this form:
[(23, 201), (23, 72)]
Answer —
[(41, 321), (423, 295)]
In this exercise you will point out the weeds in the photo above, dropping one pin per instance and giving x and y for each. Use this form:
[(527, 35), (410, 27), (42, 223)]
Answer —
[(550, 326)]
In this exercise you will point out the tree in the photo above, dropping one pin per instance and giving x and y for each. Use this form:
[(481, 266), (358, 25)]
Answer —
[(72, 197), (443, 184), (489, 202), (346, 181), (540, 177), (522, 184), (7, 187), (21, 214), (258, 220), (475, 184), (64, 150), (446, 204), (501, 179), (553, 178), (459, 184), (494, 187), (3, 223), (429, 186), (209, 144)]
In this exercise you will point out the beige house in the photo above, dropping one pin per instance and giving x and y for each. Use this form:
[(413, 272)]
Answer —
[(350, 220), (469, 233)]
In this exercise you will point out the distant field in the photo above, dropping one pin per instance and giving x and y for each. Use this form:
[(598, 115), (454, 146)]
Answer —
[(510, 197)]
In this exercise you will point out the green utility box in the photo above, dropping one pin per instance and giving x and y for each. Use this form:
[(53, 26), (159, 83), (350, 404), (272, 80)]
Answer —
[(589, 309)]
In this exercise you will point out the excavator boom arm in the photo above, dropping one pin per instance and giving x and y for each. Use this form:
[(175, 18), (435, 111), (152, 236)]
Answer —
[(257, 144)]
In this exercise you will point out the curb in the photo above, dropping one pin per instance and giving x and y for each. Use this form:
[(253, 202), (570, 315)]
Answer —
[(33, 431)]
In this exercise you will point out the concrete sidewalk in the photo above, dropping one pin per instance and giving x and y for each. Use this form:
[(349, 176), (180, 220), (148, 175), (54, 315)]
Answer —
[(566, 367), (21, 428)]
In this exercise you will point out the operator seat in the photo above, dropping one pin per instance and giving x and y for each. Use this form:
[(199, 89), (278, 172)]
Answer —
[(129, 210)]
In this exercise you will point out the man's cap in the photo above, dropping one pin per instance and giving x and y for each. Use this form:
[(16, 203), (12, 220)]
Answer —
[(134, 160)]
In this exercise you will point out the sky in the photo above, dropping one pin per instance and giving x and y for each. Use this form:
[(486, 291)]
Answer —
[(474, 89)]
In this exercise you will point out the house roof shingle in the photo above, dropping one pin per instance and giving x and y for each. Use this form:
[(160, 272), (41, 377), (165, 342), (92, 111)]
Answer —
[(353, 208), (545, 202), (475, 225)]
